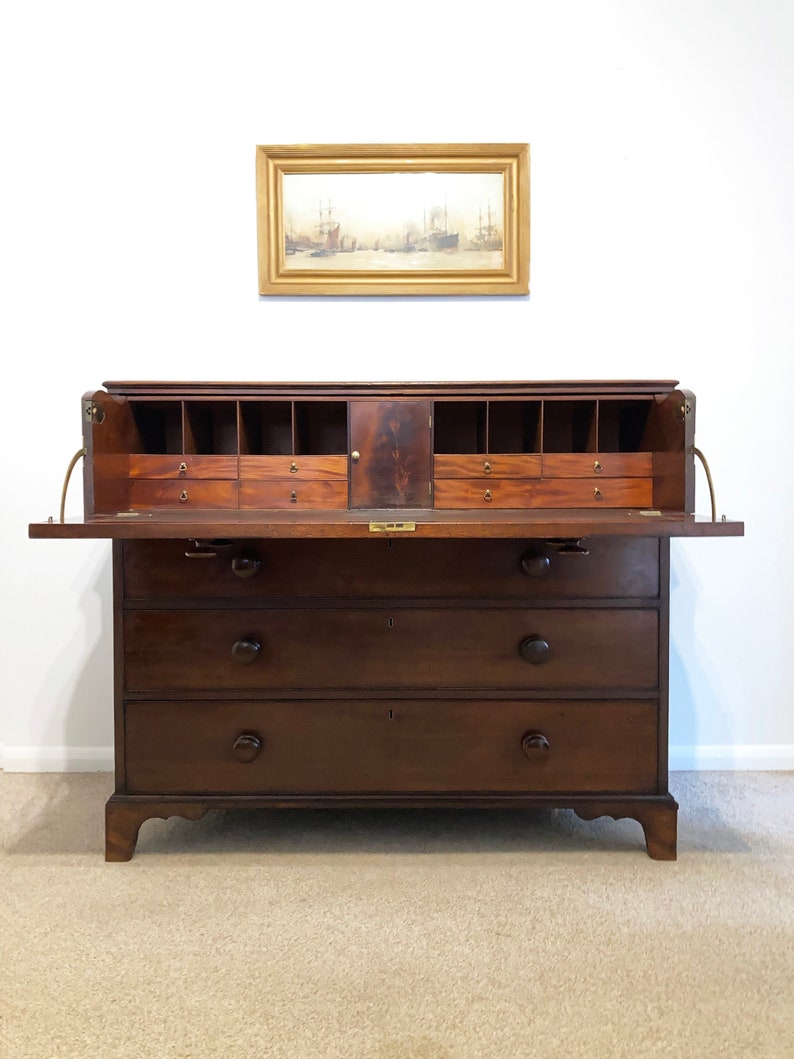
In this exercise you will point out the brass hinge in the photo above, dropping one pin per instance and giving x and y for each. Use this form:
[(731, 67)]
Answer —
[(92, 413)]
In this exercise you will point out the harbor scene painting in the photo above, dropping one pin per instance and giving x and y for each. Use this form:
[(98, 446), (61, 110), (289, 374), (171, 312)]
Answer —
[(393, 221)]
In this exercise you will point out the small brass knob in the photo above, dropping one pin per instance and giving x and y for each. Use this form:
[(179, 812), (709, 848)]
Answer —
[(355, 455), (245, 567), (183, 497), (535, 650), (597, 494), (535, 745), (488, 495), (183, 468), (246, 747), (486, 467), (245, 651), (293, 468), (293, 497), (597, 467)]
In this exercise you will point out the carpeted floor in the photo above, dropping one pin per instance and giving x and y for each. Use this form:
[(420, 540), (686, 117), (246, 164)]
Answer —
[(398, 935)]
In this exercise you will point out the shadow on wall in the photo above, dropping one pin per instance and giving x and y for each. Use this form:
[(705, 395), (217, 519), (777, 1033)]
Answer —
[(697, 699), (83, 728)]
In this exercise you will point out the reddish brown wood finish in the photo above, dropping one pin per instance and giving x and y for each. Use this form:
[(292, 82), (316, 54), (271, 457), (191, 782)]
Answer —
[(393, 440), (188, 467), (283, 495), (300, 621), (598, 465), (407, 648), (392, 745), (496, 466), (294, 468), (151, 492), (401, 569), (564, 492)]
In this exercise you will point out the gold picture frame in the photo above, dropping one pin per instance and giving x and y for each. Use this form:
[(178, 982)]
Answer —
[(393, 219)]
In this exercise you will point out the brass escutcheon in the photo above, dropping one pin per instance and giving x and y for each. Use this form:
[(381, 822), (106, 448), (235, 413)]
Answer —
[(183, 497), (183, 468), (486, 467), (293, 497), (488, 495), (597, 494), (597, 467), (293, 468)]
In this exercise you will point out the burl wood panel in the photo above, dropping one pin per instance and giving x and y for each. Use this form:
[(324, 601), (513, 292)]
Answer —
[(379, 647), (397, 569), (401, 745), (393, 439)]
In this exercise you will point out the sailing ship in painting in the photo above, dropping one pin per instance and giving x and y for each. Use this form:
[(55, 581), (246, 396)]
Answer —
[(433, 236), (487, 235)]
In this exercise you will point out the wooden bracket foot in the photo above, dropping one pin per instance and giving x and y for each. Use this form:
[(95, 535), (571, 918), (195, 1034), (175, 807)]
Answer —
[(123, 820)]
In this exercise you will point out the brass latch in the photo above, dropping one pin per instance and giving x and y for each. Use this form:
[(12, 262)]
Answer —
[(392, 527)]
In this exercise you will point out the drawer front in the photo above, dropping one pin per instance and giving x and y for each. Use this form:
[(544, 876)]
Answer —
[(583, 492), (141, 466), (461, 493), (408, 569), (145, 493), (484, 493), (391, 648), (283, 495), (598, 465), (293, 468), (497, 466), (304, 746)]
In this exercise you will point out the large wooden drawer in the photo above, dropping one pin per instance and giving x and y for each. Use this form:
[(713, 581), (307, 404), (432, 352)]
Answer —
[(406, 569), (373, 647), (304, 746)]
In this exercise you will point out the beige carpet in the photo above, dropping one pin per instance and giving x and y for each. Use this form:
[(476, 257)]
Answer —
[(398, 935)]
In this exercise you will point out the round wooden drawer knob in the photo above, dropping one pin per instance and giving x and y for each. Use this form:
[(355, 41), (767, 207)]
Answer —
[(535, 564), (535, 745), (245, 651), (535, 650), (246, 747), (245, 567)]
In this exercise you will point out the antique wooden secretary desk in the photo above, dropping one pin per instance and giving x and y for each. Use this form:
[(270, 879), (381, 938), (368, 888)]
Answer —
[(390, 594)]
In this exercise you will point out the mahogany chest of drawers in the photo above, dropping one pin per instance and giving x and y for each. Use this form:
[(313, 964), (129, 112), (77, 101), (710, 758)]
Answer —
[(400, 595)]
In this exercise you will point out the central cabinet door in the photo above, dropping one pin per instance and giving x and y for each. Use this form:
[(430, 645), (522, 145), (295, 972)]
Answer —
[(391, 454)]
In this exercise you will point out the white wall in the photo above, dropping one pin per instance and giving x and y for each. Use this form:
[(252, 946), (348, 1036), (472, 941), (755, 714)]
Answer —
[(662, 136)]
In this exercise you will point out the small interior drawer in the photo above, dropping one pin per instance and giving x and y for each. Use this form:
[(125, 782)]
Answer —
[(496, 466), (289, 495), (265, 468)]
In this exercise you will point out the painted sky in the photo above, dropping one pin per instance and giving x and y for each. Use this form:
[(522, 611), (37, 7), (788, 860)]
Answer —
[(378, 205)]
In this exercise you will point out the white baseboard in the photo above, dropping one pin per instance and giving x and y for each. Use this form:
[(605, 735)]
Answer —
[(748, 758), (56, 758)]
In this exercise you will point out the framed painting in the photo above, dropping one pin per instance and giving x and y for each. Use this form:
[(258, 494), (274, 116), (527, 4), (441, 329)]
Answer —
[(393, 219)]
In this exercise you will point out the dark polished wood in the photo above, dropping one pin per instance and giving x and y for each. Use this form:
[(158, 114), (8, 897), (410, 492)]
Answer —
[(390, 594)]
